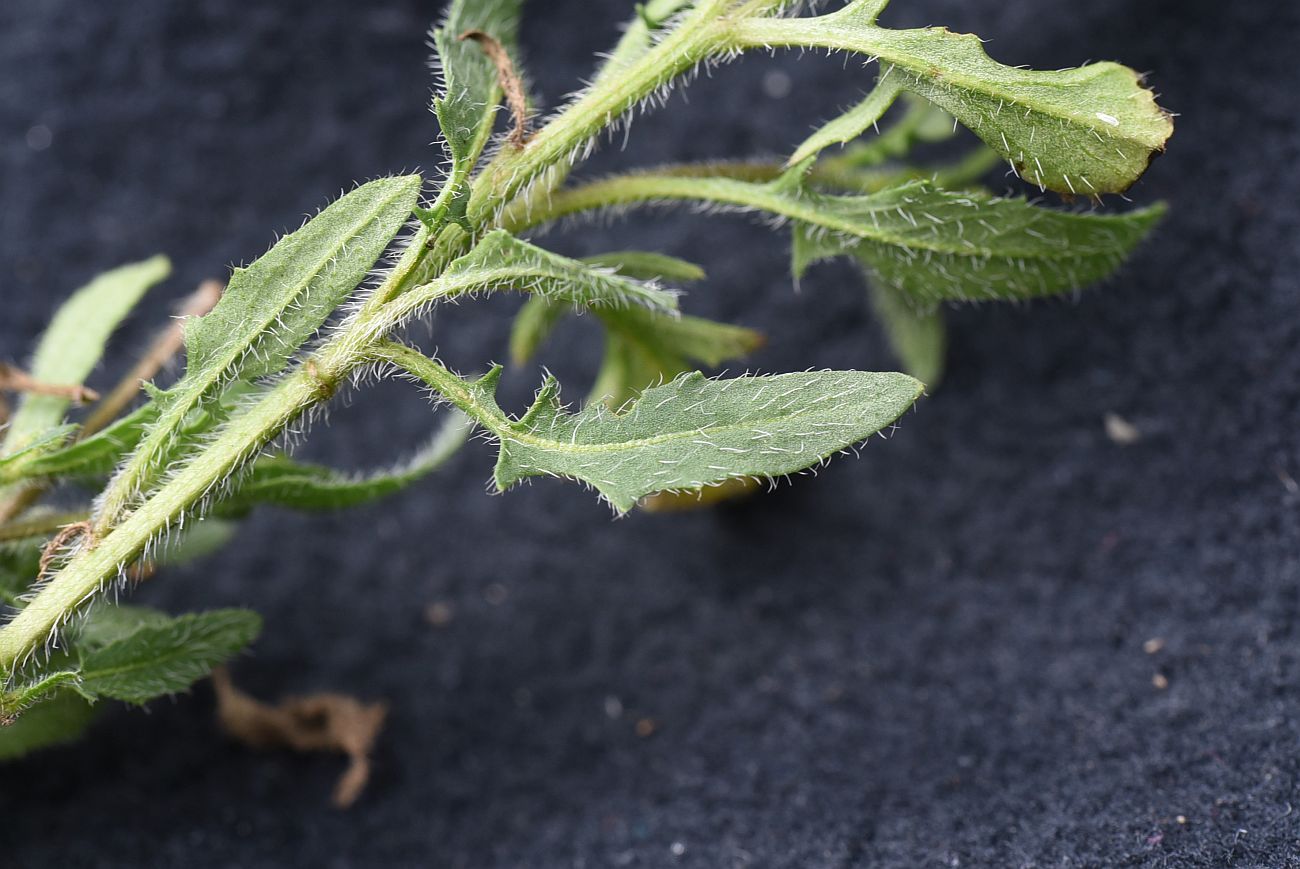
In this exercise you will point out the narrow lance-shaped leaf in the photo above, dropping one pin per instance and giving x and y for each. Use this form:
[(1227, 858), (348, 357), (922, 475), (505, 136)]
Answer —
[(918, 337), (1084, 131), (850, 124), (74, 343), (644, 265), (163, 658), (283, 482), (269, 310), (684, 435)]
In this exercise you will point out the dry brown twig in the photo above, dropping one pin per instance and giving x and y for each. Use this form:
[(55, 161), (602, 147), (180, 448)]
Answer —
[(14, 379)]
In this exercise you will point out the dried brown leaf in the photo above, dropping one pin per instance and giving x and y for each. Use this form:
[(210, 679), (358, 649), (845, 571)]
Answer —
[(313, 723)]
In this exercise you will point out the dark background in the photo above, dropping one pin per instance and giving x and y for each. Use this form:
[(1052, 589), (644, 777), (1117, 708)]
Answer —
[(932, 656)]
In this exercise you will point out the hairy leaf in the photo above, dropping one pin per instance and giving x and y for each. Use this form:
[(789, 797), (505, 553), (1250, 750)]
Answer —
[(74, 342), (470, 93), (935, 245), (918, 338), (270, 309), (687, 434), (1084, 131), (932, 244), (648, 266), (285, 483), (921, 122), (158, 659), (18, 464), (502, 262), (108, 624), (850, 124), (94, 456), (54, 721)]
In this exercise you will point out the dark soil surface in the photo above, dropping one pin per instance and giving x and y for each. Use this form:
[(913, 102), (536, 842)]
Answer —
[(997, 639)]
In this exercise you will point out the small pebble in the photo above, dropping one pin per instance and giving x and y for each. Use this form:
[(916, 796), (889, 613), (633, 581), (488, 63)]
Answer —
[(1160, 681), (440, 614), (777, 84), (1153, 645), (1120, 430), (645, 727)]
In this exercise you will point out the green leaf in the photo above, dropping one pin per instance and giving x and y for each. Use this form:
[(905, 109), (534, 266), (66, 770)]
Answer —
[(470, 92), (921, 122), (94, 456), (502, 262), (57, 720), (74, 342), (269, 310), (276, 304), (684, 435), (935, 245), (533, 325), (1084, 131), (158, 659), (648, 266), (109, 623), (643, 349), (285, 483), (14, 700), (918, 338), (850, 124), (199, 540), (18, 464)]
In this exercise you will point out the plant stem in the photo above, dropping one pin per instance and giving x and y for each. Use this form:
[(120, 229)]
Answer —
[(703, 32), (701, 35)]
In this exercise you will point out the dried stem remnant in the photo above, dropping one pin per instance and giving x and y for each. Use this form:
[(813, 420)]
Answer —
[(14, 379), (168, 343), (67, 534), (511, 84), (315, 723)]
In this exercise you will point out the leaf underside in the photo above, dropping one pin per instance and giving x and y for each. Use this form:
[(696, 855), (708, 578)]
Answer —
[(164, 658)]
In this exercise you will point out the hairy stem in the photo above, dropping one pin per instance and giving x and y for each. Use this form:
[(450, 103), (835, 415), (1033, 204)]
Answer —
[(704, 33)]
